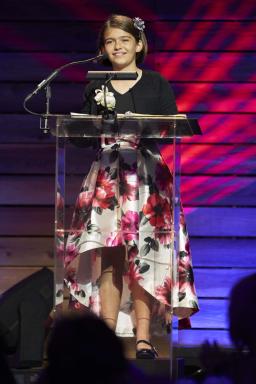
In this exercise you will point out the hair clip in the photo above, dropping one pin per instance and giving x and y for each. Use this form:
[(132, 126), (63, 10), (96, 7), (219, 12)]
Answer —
[(138, 23)]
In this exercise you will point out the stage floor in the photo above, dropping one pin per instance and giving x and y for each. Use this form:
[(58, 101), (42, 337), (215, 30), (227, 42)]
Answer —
[(185, 352)]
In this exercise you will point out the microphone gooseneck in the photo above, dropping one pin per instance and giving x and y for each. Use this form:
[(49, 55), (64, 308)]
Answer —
[(106, 111), (47, 81)]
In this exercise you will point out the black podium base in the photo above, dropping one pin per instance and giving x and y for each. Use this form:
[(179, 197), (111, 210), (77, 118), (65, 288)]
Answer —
[(159, 368), (186, 364), (162, 369)]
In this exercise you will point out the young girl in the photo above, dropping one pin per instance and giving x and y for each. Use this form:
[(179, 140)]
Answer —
[(118, 255)]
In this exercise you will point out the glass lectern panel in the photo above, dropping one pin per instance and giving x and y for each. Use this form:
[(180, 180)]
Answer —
[(114, 192)]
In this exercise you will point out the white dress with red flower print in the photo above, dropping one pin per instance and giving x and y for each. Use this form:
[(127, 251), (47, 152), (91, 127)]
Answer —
[(126, 200)]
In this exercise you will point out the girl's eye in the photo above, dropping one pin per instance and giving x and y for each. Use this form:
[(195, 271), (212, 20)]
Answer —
[(110, 41)]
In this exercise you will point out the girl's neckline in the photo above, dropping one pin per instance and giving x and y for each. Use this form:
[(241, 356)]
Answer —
[(124, 93)]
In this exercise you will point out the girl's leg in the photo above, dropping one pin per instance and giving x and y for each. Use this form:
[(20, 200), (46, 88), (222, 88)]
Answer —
[(111, 283), (142, 307)]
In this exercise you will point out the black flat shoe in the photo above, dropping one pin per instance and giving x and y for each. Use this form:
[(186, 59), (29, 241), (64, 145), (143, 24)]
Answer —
[(146, 353)]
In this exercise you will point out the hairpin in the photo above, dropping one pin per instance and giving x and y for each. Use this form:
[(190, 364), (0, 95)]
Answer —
[(138, 23)]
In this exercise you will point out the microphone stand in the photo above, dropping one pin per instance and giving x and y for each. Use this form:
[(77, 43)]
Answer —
[(106, 112), (44, 125), (45, 84)]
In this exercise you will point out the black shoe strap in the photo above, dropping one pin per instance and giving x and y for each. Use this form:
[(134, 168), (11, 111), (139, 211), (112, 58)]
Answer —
[(144, 341)]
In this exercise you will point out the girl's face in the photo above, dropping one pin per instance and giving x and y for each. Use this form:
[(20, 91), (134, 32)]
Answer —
[(121, 48)]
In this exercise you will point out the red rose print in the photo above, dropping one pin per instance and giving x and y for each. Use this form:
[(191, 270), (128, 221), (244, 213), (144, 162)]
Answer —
[(133, 274), (164, 178), (130, 225), (84, 199), (129, 186), (132, 252), (71, 253), (163, 292), (164, 236), (105, 190), (158, 211), (114, 239)]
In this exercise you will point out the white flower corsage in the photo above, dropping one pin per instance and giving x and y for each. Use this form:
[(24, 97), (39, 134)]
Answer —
[(100, 99)]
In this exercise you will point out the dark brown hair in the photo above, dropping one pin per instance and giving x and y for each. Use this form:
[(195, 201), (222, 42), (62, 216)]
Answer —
[(126, 24)]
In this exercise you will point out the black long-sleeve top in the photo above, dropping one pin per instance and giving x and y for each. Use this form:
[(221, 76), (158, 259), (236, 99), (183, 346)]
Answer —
[(152, 94)]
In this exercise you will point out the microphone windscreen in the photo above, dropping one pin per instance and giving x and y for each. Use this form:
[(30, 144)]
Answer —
[(104, 56)]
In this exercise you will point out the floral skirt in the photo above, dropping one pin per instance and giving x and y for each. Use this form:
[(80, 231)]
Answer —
[(126, 199)]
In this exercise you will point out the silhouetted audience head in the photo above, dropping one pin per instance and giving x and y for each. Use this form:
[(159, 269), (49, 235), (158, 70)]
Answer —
[(239, 366), (6, 375), (81, 348), (242, 314)]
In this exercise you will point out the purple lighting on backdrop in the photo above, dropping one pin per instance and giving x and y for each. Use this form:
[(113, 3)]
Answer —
[(206, 69)]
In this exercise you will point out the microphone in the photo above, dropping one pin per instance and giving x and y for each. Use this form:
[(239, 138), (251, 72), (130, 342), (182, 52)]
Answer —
[(111, 75), (46, 81)]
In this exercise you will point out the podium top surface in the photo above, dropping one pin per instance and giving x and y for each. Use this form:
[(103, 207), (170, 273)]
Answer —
[(142, 126)]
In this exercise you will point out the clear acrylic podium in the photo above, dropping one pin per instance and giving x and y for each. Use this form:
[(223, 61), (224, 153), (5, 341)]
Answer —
[(77, 139)]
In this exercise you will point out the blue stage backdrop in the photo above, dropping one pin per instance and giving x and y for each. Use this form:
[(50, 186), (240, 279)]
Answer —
[(207, 50)]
